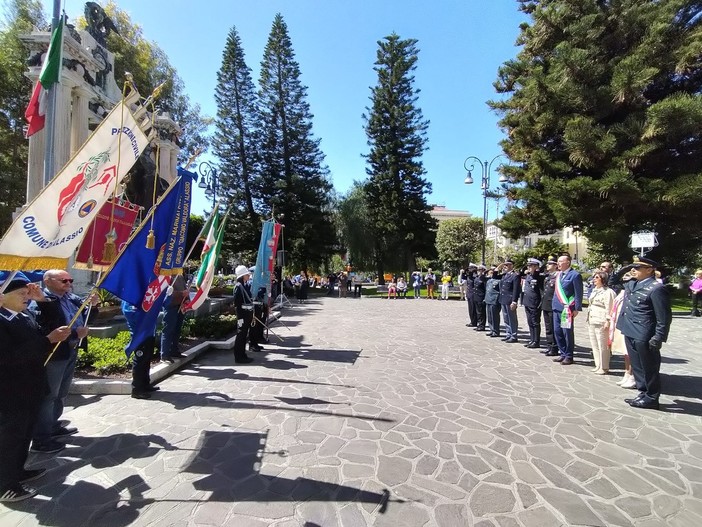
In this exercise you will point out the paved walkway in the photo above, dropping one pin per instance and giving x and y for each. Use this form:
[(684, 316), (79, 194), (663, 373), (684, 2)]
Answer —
[(387, 413)]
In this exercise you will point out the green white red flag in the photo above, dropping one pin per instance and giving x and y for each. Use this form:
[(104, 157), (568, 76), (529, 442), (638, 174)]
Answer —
[(50, 75), (208, 265)]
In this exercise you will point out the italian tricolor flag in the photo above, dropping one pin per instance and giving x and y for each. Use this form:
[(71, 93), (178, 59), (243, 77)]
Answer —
[(50, 75), (210, 255)]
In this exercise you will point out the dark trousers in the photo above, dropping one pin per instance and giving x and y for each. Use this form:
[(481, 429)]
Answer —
[(479, 307), (695, 304), (357, 290), (242, 334), (173, 319), (141, 364), (256, 335), (565, 338), (472, 315), (646, 365), (16, 427), (548, 326), (533, 316), (493, 317)]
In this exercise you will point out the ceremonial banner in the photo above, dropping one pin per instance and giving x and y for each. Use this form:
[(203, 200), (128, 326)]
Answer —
[(140, 276), (208, 264), (90, 252), (265, 261), (50, 228)]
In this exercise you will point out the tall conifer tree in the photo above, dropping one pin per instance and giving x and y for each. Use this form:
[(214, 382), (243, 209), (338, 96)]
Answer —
[(235, 143), (396, 189), (295, 184), (604, 119)]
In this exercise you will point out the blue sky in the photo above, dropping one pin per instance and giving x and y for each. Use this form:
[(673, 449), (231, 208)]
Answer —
[(462, 43)]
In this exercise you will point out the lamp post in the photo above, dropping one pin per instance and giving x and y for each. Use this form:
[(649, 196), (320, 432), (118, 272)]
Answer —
[(208, 180), (485, 168)]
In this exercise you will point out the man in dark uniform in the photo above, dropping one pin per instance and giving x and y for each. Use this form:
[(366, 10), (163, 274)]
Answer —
[(645, 322), (23, 384), (479, 298), (533, 291), (546, 304), (510, 289), (141, 356), (256, 333), (244, 315), (470, 285), (492, 302)]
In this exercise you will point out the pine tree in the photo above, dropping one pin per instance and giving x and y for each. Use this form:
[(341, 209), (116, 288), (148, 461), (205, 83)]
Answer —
[(294, 183), (21, 16), (235, 143), (399, 215), (604, 118)]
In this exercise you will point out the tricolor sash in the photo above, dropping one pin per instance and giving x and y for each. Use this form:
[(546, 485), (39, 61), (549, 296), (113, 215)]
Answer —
[(567, 313)]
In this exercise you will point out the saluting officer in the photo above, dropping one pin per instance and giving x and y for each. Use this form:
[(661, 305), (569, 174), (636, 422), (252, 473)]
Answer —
[(479, 298), (23, 384), (533, 292), (470, 286), (546, 305), (510, 289), (645, 322)]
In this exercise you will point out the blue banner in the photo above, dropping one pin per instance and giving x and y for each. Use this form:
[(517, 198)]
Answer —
[(141, 276), (262, 274)]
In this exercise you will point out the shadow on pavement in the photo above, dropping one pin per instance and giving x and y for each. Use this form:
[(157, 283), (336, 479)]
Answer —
[(231, 463), (227, 374), (181, 400)]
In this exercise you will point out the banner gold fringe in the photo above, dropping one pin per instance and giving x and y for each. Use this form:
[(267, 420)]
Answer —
[(23, 263)]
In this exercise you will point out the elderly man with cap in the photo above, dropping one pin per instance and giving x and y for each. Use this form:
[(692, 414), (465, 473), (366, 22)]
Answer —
[(645, 322), (243, 304), (23, 384), (567, 303), (533, 292), (510, 290), (479, 297), (547, 306)]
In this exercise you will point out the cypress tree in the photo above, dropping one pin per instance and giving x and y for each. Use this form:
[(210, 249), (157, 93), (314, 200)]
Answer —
[(235, 143), (295, 184), (396, 190)]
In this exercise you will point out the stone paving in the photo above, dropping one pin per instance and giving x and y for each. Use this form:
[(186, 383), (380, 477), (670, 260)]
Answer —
[(387, 413)]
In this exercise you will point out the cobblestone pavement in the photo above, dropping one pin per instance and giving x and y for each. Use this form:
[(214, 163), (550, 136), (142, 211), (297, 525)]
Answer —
[(388, 413)]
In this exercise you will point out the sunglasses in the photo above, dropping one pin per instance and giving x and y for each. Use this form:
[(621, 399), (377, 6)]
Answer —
[(65, 280)]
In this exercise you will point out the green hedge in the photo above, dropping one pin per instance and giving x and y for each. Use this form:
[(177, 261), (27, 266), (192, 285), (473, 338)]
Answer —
[(107, 355)]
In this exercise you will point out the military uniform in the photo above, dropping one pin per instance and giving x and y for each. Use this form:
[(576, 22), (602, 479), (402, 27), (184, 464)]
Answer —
[(479, 299), (243, 305), (470, 287), (546, 305), (510, 289), (533, 291), (645, 322)]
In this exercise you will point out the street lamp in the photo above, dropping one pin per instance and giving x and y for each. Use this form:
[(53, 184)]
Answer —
[(208, 181), (485, 168)]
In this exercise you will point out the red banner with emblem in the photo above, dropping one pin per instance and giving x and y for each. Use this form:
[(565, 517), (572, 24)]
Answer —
[(90, 252)]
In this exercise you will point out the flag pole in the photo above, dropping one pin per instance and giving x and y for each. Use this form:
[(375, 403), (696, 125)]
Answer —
[(50, 123)]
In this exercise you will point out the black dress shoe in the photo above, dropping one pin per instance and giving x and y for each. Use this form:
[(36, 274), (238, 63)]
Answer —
[(141, 395), (479, 329), (471, 325), (533, 345), (244, 360), (631, 400), (495, 335), (552, 353), (643, 403), (559, 359), (528, 344), (504, 338), (567, 361), (512, 340), (152, 389), (255, 348)]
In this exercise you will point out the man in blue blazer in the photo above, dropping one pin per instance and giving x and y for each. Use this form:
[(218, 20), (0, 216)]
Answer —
[(567, 303)]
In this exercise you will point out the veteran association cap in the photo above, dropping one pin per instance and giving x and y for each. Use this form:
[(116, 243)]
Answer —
[(18, 281)]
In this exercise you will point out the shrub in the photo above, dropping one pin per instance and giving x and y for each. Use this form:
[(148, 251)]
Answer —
[(213, 326), (105, 355)]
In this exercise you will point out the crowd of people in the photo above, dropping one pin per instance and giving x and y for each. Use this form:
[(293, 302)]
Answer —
[(628, 312)]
